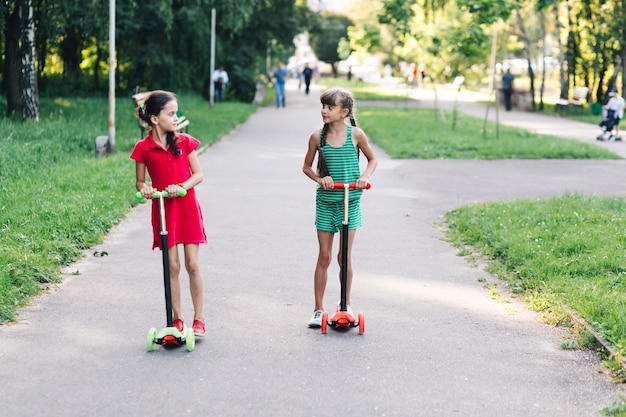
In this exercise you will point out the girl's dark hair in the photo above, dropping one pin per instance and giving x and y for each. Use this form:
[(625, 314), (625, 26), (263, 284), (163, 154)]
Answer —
[(330, 97), (152, 106)]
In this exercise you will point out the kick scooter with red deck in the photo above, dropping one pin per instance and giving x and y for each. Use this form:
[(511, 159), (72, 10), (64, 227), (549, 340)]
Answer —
[(170, 336), (342, 319)]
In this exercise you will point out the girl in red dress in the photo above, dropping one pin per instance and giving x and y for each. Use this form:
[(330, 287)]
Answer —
[(172, 163)]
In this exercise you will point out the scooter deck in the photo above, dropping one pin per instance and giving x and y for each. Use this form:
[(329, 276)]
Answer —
[(171, 337), (343, 321)]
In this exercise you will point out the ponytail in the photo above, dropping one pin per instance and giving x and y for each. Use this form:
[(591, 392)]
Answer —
[(322, 168)]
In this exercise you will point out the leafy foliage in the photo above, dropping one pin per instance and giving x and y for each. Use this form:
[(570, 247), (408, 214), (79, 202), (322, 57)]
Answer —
[(326, 35), (489, 11), (162, 44)]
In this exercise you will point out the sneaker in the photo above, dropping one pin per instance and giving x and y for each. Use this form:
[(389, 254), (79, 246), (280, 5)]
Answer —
[(179, 324), (348, 309), (198, 328), (316, 320)]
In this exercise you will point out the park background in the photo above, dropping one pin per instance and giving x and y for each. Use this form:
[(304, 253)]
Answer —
[(54, 59), (53, 48)]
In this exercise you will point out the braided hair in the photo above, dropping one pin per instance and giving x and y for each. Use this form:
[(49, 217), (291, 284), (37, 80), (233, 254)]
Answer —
[(152, 106), (330, 97)]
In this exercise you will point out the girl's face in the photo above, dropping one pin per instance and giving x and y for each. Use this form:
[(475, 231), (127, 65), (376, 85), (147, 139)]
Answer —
[(166, 119), (332, 113)]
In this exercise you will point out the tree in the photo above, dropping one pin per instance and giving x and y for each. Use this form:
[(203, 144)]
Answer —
[(20, 74), (163, 45), (326, 35)]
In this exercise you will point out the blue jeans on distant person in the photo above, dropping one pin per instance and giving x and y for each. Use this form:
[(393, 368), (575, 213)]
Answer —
[(507, 99), (280, 94), (219, 91)]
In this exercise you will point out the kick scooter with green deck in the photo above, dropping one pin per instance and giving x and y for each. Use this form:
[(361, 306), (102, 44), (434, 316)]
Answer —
[(170, 336)]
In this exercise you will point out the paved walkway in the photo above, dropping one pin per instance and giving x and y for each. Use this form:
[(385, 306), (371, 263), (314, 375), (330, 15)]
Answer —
[(435, 343)]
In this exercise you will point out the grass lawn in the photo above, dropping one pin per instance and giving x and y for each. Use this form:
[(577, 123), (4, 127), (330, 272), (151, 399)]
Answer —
[(565, 251), (362, 90), (420, 133)]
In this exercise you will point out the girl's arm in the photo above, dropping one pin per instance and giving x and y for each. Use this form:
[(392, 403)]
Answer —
[(140, 183), (363, 144), (196, 175), (196, 172), (307, 166)]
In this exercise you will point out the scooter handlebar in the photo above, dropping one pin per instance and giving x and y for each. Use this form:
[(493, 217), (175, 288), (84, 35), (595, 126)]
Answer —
[(181, 193), (341, 185)]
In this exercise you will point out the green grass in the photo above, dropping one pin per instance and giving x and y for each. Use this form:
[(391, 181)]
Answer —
[(363, 90), (618, 409), (566, 251), (57, 199), (420, 133)]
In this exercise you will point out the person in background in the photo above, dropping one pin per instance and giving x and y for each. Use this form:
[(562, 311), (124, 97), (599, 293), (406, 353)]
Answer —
[(280, 75), (307, 74), (220, 79), (616, 104), (507, 88)]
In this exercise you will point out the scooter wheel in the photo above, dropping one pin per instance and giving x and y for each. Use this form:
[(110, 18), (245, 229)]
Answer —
[(324, 322), (190, 340), (151, 339), (361, 323)]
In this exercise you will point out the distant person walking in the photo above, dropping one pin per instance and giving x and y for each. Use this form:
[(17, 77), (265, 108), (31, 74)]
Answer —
[(616, 105), (171, 161), (507, 88), (220, 79), (307, 73), (280, 75)]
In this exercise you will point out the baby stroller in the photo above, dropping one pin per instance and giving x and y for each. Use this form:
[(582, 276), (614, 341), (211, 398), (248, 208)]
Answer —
[(609, 120)]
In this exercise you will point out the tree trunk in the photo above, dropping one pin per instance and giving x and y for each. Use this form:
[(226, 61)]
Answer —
[(542, 23), (29, 93), (623, 50), (562, 77), (572, 49), (531, 73), (12, 63)]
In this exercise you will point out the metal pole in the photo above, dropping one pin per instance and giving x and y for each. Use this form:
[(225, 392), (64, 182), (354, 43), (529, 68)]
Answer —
[(111, 76), (212, 69)]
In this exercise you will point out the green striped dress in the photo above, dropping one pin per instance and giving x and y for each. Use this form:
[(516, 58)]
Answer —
[(343, 166)]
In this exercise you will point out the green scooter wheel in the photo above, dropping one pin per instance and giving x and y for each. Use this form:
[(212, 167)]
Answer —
[(151, 339), (190, 339)]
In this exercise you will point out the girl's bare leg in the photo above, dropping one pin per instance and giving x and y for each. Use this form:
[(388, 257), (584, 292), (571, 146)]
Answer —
[(196, 286), (325, 241)]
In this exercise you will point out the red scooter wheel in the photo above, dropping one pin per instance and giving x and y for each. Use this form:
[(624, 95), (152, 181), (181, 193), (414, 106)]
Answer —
[(324, 322), (361, 324)]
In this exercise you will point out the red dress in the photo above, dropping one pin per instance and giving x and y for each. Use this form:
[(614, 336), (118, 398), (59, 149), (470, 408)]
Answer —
[(183, 215)]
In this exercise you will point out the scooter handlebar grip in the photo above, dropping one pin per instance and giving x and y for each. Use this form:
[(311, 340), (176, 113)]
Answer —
[(181, 193), (340, 185)]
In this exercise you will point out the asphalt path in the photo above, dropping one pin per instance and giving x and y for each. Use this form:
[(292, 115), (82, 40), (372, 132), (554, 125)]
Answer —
[(435, 343)]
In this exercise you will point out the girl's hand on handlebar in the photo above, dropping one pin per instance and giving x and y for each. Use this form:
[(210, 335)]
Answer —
[(327, 183), (361, 184), (172, 190), (147, 192)]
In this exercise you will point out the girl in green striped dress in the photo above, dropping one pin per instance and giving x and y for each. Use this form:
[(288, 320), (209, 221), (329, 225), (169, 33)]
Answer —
[(338, 146)]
